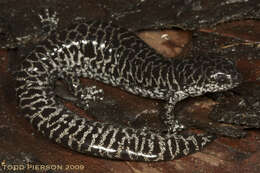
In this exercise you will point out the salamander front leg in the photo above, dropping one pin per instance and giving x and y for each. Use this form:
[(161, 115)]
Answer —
[(168, 116), (170, 121)]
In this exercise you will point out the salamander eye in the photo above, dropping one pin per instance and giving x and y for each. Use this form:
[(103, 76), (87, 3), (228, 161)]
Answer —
[(220, 77)]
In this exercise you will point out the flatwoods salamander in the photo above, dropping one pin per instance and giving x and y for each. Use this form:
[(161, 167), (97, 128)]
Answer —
[(117, 57)]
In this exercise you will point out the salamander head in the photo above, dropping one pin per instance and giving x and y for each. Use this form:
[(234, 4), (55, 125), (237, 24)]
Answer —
[(222, 75), (213, 75)]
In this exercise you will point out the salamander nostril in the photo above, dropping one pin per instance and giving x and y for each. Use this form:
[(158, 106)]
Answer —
[(238, 78)]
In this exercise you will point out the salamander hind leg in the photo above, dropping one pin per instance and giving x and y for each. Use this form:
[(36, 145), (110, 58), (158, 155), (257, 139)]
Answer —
[(49, 20), (85, 94)]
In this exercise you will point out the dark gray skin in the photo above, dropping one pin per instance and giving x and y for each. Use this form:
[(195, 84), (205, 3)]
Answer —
[(117, 57)]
